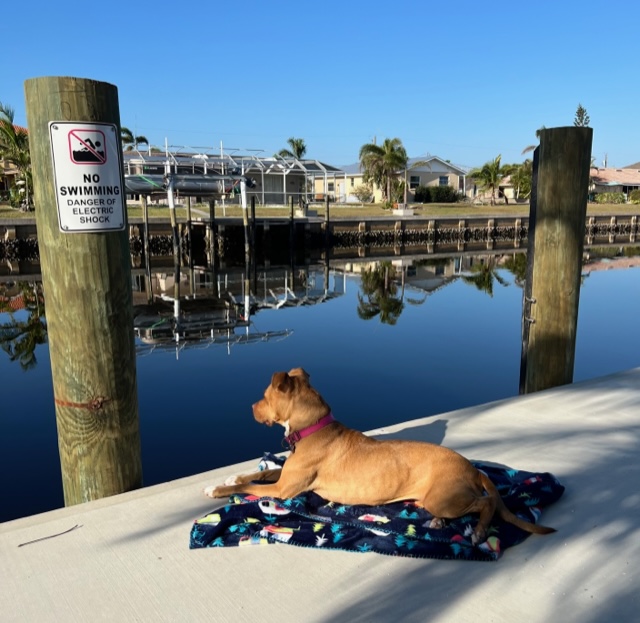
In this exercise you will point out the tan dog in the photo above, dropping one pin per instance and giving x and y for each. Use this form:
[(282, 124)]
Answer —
[(347, 467)]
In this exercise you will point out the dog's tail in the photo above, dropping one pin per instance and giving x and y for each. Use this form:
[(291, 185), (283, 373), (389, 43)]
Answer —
[(507, 515)]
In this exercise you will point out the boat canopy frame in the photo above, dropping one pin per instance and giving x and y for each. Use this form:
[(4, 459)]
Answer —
[(198, 164)]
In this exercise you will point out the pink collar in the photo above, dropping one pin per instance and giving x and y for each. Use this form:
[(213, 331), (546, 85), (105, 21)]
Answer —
[(296, 436)]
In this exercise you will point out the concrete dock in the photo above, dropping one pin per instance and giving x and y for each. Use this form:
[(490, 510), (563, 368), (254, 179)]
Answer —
[(128, 560)]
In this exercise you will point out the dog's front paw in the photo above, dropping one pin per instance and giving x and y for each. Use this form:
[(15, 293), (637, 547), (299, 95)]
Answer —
[(212, 491), (232, 480)]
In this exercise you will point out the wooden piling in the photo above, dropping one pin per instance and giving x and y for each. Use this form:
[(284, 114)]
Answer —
[(556, 242), (87, 278)]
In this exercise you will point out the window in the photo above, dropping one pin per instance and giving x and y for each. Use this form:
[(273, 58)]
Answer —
[(330, 187), (414, 182), (443, 180), (353, 181)]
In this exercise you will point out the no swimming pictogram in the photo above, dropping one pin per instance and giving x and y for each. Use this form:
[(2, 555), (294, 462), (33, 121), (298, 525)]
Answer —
[(87, 146)]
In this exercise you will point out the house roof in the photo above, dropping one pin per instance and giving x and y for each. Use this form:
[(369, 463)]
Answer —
[(354, 169), (615, 177), (251, 162)]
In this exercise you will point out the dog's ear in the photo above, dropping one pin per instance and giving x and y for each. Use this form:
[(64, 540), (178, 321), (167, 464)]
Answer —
[(299, 372), (281, 382)]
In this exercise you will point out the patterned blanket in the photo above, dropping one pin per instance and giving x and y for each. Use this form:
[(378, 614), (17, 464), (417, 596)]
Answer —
[(398, 529)]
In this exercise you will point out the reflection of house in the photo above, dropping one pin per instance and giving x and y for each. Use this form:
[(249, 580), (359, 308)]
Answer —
[(276, 179), (435, 172), (427, 275), (615, 180)]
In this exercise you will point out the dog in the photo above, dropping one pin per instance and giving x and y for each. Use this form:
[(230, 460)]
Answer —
[(347, 467)]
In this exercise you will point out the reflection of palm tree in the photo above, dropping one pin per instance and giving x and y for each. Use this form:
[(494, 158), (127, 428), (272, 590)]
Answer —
[(378, 297), (517, 265), (19, 338), (483, 277)]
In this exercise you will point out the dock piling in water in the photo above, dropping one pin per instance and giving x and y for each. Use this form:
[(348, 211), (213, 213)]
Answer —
[(554, 258), (86, 273)]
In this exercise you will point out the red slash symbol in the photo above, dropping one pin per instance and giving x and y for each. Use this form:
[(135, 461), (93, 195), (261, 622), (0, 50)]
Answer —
[(87, 147)]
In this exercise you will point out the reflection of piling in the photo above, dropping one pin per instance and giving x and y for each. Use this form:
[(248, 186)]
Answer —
[(327, 232), (292, 224), (145, 246), (253, 222), (189, 231), (211, 232), (87, 278), (556, 240), (292, 231)]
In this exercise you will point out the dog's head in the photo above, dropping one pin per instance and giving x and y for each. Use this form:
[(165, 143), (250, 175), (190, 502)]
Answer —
[(290, 401)]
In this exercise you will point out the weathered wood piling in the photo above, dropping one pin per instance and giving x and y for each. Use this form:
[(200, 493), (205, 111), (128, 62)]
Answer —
[(556, 240), (87, 279)]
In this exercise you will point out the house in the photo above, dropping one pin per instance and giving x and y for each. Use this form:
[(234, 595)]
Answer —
[(274, 180), (615, 180), (9, 173), (433, 171)]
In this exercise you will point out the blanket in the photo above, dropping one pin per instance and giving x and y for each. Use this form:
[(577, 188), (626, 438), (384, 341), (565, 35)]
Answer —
[(398, 529)]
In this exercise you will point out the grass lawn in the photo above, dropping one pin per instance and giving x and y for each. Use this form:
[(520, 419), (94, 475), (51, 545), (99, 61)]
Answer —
[(435, 210)]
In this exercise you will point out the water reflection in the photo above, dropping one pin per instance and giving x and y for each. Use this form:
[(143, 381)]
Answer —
[(378, 294), (19, 338), (177, 307), (452, 346)]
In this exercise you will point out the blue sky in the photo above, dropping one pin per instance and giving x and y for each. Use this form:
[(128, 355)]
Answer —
[(465, 81)]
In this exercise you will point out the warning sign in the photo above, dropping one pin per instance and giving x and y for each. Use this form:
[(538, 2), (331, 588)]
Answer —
[(88, 177)]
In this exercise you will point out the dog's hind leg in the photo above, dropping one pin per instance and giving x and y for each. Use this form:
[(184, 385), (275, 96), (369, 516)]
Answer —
[(486, 506)]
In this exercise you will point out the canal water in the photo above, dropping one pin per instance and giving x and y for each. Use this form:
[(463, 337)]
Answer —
[(384, 342)]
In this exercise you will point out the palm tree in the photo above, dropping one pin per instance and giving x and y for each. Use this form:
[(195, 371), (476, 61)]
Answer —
[(490, 175), (522, 179), (297, 149), (380, 163), (130, 141), (14, 148), (529, 148)]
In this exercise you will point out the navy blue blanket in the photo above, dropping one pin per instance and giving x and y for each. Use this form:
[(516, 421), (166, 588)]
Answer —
[(398, 529)]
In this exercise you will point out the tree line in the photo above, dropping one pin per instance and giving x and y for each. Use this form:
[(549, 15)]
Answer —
[(382, 165)]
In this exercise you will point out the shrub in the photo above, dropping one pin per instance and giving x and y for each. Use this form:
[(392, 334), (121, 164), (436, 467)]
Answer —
[(634, 196), (444, 194), (363, 193), (436, 194), (423, 194), (609, 198)]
